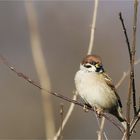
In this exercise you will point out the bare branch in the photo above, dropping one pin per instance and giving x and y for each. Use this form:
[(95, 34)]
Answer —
[(100, 133), (26, 78), (126, 135), (93, 26), (131, 90), (133, 56), (99, 126), (61, 124), (89, 52), (125, 33), (66, 117), (134, 122)]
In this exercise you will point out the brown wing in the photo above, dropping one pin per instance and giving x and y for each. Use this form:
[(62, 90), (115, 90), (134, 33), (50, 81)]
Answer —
[(110, 84)]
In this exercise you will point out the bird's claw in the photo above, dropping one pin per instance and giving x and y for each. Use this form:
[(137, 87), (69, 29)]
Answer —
[(98, 111), (85, 108)]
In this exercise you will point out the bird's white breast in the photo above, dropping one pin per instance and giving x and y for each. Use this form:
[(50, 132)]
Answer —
[(93, 89)]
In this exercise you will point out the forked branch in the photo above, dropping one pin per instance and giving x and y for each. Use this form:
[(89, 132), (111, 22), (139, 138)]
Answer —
[(131, 90)]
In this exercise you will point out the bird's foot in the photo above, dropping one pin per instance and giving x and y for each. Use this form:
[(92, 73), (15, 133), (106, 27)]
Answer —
[(86, 106), (99, 112)]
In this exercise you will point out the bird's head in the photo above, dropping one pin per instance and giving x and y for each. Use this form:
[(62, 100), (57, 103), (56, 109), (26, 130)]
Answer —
[(92, 63)]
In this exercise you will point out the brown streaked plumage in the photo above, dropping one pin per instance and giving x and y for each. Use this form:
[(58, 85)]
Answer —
[(110, 84)]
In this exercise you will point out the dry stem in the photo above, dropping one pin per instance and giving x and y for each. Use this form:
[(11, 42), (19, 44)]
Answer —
[(89, 52), (100, 133), (61, 116), (125, 74), (71, 108), (133, 56), (131, 50), (93, 27), (91, 43), (130, 84), (41, 68)]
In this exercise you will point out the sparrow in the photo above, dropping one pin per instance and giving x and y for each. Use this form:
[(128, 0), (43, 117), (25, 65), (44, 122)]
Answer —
[(96, 88)]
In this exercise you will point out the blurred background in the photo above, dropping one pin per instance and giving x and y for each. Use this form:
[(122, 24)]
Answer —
[(64, 31)]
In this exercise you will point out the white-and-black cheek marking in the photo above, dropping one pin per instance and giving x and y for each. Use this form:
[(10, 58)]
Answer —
[(100, 69), (87, 65)]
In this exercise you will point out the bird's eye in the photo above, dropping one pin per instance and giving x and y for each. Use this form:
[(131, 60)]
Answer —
[(97, 65)]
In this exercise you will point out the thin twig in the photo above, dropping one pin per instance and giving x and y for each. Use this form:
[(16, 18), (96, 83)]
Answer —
[(134, 122), (125, 33), (131, 90), (126, 135), (26, 78), (93, 27), (98, 122), (129, 93), (89, 52), (130, 83), (92, 35), (133, 56), (66, 117), (91, 42), (125, 74), (60, 137), (100, 133)]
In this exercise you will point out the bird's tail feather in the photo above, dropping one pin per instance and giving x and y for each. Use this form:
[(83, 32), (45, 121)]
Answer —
[(118, 114), (121, 118)]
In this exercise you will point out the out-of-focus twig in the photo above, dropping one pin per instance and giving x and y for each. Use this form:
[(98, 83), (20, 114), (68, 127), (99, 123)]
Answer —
[(41, 68), (98, 122), (89, 52), (66, 117), (100, 133), (91, 42), (93, 26), (125, 74)]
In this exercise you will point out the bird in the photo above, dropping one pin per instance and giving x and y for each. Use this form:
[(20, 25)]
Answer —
[(96, 88)]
